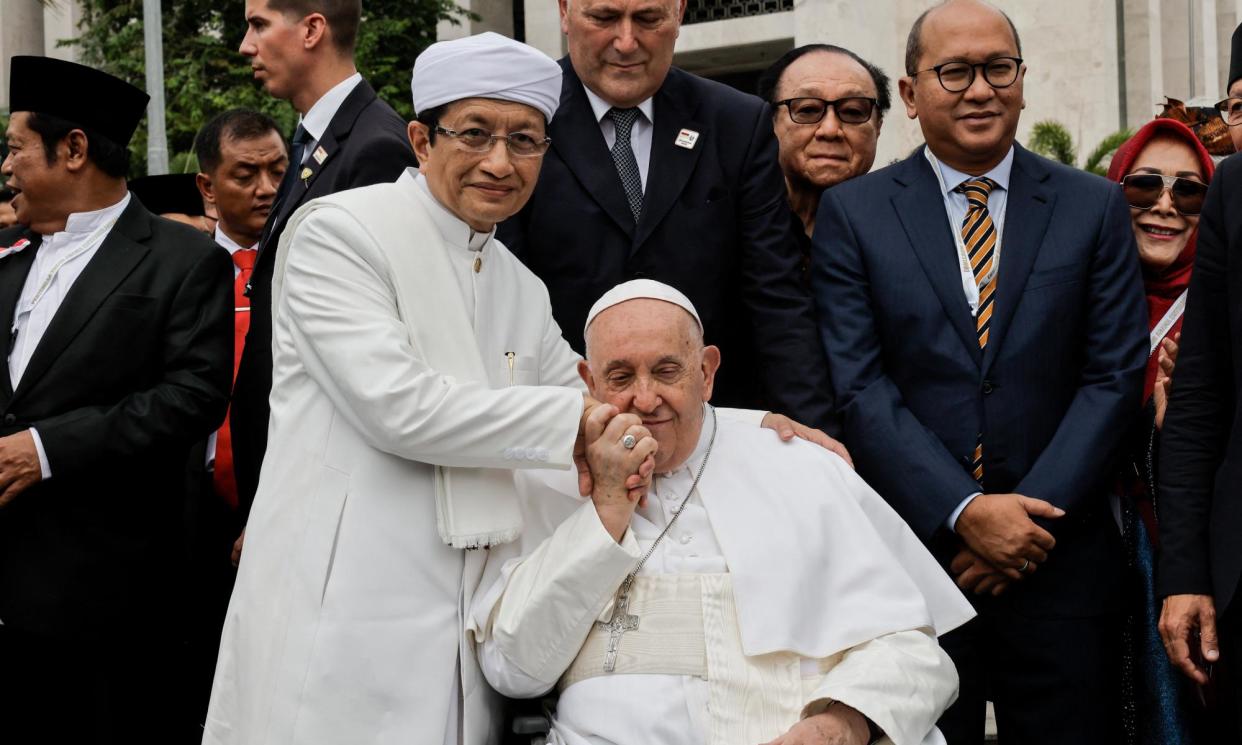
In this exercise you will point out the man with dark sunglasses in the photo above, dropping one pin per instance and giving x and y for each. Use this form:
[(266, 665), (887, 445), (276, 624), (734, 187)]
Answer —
[(986, 334), (828, 105), (1200, 467)]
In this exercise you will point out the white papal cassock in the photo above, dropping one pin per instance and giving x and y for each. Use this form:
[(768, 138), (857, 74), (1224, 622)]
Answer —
[(804, 586), (345, 623)]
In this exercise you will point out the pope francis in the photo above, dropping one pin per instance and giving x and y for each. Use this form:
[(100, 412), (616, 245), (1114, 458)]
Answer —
[(416, 363), (760, 592)]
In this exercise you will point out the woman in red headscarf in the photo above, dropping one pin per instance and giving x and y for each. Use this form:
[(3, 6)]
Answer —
[(1164, 171)]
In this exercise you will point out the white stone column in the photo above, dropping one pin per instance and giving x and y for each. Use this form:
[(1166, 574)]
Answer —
[(21, 32), (494, 15), (1210, 86), (1155, 50), (60, 21), (543, 27)]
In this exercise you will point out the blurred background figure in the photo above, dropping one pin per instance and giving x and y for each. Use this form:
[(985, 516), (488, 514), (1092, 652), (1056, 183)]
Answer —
[(827, 108), (1163, 170), (175, 197)]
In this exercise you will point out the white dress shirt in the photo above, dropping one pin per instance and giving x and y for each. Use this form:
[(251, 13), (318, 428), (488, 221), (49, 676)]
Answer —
[(640, 134), (59, 261), (320, 115), (956, 205)]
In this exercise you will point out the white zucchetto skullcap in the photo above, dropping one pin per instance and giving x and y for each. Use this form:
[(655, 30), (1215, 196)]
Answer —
[(642, 288), (486, 65)]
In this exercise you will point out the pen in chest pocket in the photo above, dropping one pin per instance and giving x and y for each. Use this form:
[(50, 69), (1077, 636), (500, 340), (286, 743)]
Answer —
[(510, 357)]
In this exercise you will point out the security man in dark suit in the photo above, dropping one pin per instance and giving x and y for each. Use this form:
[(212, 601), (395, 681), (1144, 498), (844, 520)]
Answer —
[(119, 359), (1200, 473), (303, 51), (654, 172), (986, 328)]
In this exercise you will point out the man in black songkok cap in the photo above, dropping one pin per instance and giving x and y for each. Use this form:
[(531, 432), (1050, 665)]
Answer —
[(119, 350), (1200, 467)]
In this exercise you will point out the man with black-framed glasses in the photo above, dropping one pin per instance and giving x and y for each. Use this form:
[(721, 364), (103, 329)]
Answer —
[(828, 105), (1230, 107), (986, 332)]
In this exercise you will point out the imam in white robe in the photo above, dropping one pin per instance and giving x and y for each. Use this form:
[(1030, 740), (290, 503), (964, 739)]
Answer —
[(823, 571), (346, 620)]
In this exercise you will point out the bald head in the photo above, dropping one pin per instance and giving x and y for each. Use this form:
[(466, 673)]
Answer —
[(646, 357), (914, 42)]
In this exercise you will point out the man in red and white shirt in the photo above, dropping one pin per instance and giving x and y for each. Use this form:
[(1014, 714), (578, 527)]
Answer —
[(242, 157)]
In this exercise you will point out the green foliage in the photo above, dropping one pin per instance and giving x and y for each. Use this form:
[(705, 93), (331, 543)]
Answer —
[(204, 73), (1052, 140), (1105, 149)]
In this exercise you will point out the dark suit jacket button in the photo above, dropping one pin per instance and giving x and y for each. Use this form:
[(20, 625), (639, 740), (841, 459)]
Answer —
[(10, 419), (988, 387), (638, 275)]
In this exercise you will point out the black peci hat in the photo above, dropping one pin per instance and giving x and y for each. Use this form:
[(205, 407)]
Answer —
[(175, 192), (76, 93)]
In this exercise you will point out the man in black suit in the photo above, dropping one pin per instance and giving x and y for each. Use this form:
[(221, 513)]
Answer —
[(654, 172), (118, 361), (986, 330), (303, 51), (1200, 474)]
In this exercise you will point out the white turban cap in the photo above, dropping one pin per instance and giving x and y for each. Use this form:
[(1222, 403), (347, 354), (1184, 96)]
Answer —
[(486, 65), (642, 288)]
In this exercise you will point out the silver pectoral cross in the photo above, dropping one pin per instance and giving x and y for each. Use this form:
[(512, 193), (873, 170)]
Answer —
[(622, 621)]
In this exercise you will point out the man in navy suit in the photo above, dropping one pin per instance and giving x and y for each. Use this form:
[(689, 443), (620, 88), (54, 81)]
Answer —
[(303, 51), (986, 331), (654, 172)]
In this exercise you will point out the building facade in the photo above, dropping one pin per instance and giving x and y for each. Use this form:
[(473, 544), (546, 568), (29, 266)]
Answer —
[(1095, 66)]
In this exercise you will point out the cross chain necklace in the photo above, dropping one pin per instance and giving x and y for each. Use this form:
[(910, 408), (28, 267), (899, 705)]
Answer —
[(622, 620)]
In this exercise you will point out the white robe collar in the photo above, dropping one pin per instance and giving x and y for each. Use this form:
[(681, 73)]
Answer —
[(457, 233)]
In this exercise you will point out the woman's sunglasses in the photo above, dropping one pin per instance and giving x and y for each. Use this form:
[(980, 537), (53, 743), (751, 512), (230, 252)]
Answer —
[(1143, 190)]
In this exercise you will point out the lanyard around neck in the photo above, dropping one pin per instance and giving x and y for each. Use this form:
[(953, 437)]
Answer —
[(1166, 324), (92, 241), (998, 221)]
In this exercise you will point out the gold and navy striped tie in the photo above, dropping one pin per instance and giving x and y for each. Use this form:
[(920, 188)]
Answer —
[(979, 237)]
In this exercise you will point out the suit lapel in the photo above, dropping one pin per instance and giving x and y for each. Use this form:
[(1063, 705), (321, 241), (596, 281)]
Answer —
[(1027, 214), (13, 271), (120, 251), (920, 207), (670, 165), (577, 139), (320, 154)]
